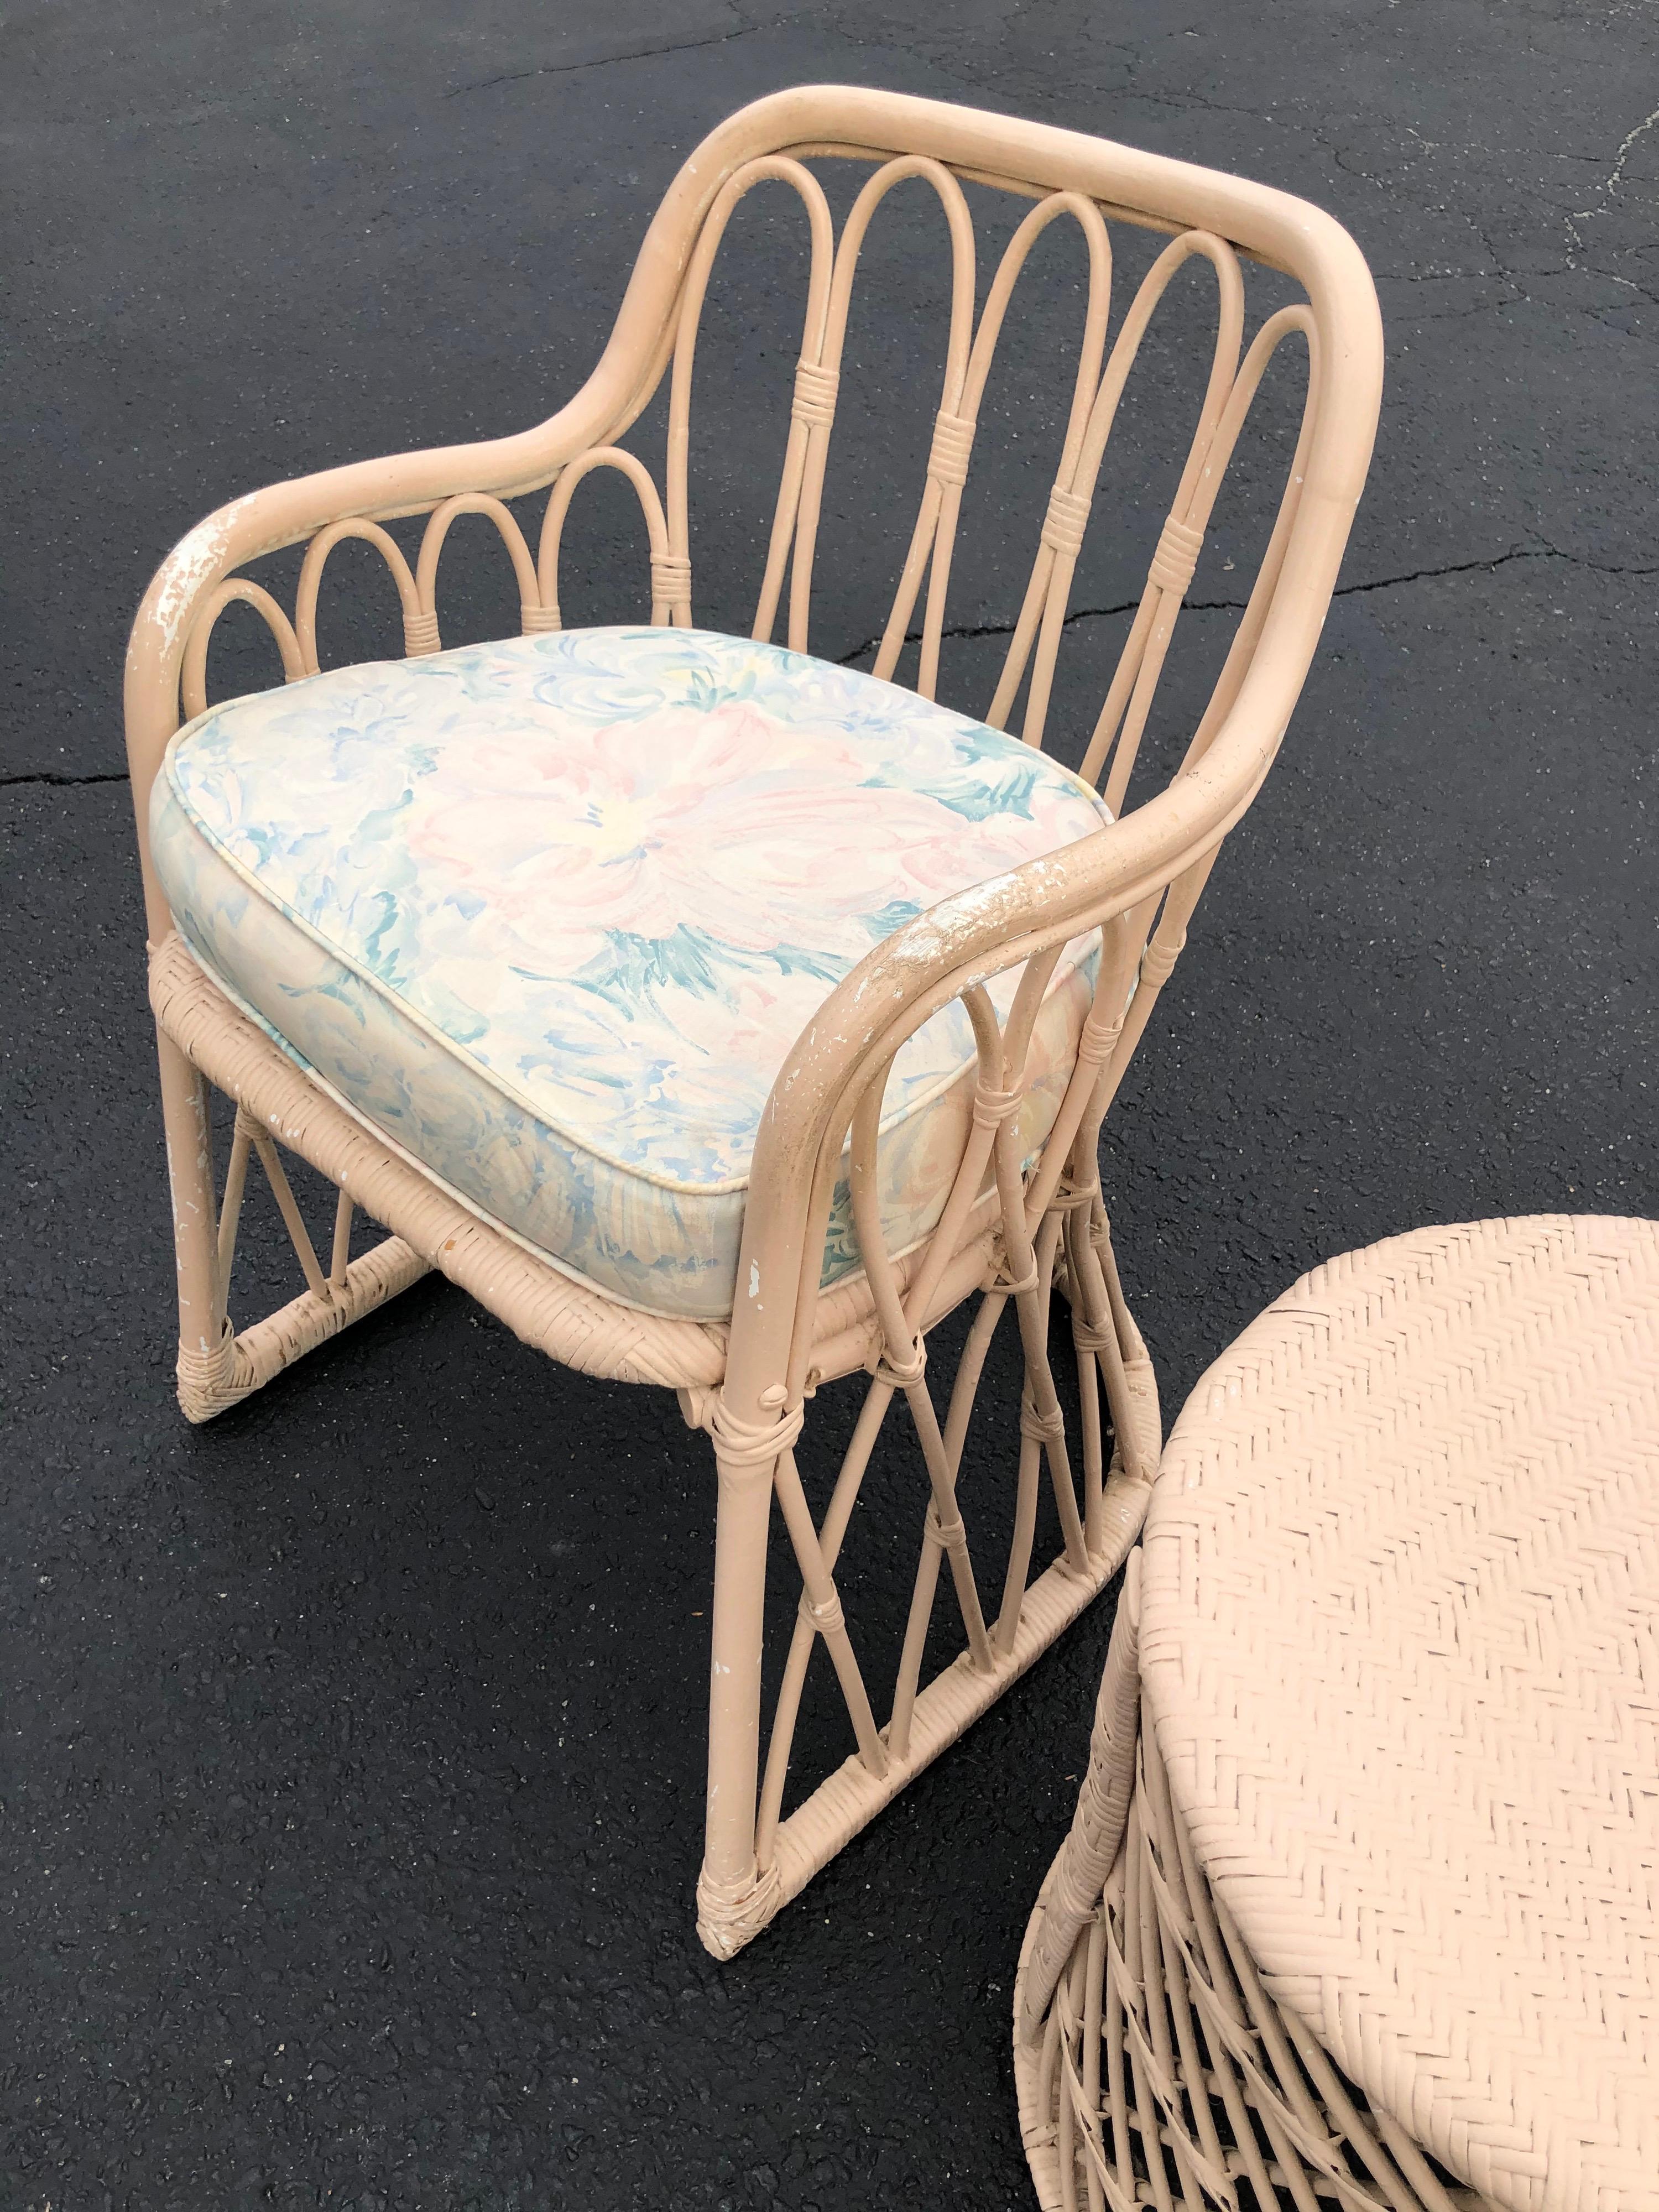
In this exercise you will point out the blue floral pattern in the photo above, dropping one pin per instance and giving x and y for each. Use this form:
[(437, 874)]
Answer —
[(549, 913)]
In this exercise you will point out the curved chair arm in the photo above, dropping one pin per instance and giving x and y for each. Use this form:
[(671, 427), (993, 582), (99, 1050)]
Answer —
[(404, 484), (980, 932)]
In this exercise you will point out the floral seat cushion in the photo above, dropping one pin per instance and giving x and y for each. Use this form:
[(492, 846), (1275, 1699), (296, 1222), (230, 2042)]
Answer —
[(548, 915)]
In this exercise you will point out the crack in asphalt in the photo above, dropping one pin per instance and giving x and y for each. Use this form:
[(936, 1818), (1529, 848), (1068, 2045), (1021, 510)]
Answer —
[(56, 776), (1613, 181), (1293, 117), (1489, 563), (609, 61)]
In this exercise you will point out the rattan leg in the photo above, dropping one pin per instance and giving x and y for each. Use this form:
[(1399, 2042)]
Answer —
[(218, 1366), (751, 1871), (206, 1356), (735, 1898)]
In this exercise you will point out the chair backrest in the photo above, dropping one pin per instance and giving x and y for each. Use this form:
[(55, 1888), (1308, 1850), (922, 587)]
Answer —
[(1138, 879)]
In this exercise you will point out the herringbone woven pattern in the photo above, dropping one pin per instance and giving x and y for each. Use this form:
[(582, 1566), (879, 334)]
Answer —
[(1400, 1643)]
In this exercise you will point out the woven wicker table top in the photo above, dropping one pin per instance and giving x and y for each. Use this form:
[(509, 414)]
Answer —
[(1399, 1643)]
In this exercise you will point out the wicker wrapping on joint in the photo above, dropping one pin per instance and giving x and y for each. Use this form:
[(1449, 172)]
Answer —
[(1388, 1886)]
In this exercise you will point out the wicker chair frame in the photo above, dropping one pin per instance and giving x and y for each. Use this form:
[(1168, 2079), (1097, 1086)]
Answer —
[(1009, 1234)]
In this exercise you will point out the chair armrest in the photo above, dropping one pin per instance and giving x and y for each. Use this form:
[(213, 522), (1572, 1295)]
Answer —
[(378, 490), (980, 932)]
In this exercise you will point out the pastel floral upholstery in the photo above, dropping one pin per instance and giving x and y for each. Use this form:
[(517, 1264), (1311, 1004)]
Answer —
[(549, 913)]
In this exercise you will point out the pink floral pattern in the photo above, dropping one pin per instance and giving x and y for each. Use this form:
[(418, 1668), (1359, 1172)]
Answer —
[(550, 913)]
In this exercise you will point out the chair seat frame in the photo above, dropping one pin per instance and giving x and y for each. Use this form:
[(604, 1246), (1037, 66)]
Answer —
[(1011, 1232)]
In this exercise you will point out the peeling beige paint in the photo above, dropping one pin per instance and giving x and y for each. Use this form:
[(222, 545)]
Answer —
[(193, 564)]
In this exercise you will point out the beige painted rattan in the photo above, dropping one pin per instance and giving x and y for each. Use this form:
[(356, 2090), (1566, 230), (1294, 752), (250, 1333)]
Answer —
[(1369, 1847), (1010, 1236)]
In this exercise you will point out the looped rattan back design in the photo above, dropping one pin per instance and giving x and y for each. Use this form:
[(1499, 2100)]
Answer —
[(1055, 535)]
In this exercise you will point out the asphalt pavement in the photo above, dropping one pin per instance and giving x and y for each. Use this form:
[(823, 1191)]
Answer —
[(350, 1748)]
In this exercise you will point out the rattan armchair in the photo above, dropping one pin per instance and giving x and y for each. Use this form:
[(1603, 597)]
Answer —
[(1004, 992)]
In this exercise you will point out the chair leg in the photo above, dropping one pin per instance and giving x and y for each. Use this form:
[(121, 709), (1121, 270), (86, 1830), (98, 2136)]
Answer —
[(752, 1868), (207, 1359), (218, 1366), (735, 1899)]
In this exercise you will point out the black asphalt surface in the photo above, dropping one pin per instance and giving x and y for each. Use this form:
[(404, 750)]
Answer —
[(352, 1747)]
